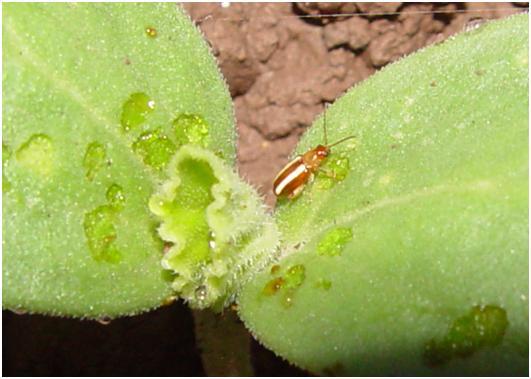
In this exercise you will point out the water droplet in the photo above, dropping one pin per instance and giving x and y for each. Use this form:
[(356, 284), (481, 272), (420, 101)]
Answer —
[(334, 241), (335, 169), (324, 284), (101, 234), (273, 286), (151, 32), (94, 159), (523, 297), (275, 269), (155, 148), (36, 154), (211, 240), (168, 301), (104, 320), (201, 293), (191, 129), (295, 276), (482, 326), (19, 311), (135, 109), (115, 196), (474, 23)]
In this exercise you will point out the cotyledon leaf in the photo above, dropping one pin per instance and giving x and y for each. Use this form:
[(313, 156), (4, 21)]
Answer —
[(94, 96), (408, 255)]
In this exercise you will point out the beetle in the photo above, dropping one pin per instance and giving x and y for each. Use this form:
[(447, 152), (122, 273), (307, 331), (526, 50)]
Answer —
[(290, 181)]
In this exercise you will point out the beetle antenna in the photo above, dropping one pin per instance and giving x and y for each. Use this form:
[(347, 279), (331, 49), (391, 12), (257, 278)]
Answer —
[(340, 141), (324, 124)]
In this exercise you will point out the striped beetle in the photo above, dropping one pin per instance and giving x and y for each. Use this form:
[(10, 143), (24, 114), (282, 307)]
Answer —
[(290, 181)]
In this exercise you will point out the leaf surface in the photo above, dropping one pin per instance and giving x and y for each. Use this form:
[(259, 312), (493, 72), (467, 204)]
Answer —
[(96, 100), (408, 255)]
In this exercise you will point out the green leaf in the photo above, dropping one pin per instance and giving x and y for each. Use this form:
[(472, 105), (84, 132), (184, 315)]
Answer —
[(93, 95), (216, 228), (416, 261)]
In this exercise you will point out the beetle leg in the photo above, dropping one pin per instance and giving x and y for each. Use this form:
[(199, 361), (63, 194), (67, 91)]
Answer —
[(296, 192), (329, 173)]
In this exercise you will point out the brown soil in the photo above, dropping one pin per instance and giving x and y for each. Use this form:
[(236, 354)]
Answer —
[(282, 65), (283, 62)]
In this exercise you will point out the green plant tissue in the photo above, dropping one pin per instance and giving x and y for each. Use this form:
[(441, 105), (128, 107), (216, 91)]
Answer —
[(97, 98), (413, 261)]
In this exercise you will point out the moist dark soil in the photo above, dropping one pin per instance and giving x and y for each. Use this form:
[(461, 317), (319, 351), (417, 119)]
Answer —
[(282, 62)]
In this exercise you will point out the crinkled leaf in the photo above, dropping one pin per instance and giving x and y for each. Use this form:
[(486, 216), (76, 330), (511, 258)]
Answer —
[(216, 227)]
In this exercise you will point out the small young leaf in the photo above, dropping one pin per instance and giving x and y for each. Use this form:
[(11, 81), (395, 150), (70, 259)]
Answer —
[(219, 232), (91, 92), (424, 243)]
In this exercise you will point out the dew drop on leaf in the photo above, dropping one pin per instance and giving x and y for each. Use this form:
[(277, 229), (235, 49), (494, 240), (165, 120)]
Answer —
[(19, 311), (273, 286), (335, 169), (36, 154), (104, 320), (295, 276), (201, 293), (482, 326), (115, 196), (101, 234), (135, 109), (168, 301), (473, 24), (324, 284), (191, 129), (340, 167), (212, 240), (334, 241), (94, 159), (151, 32), (155, 148)]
